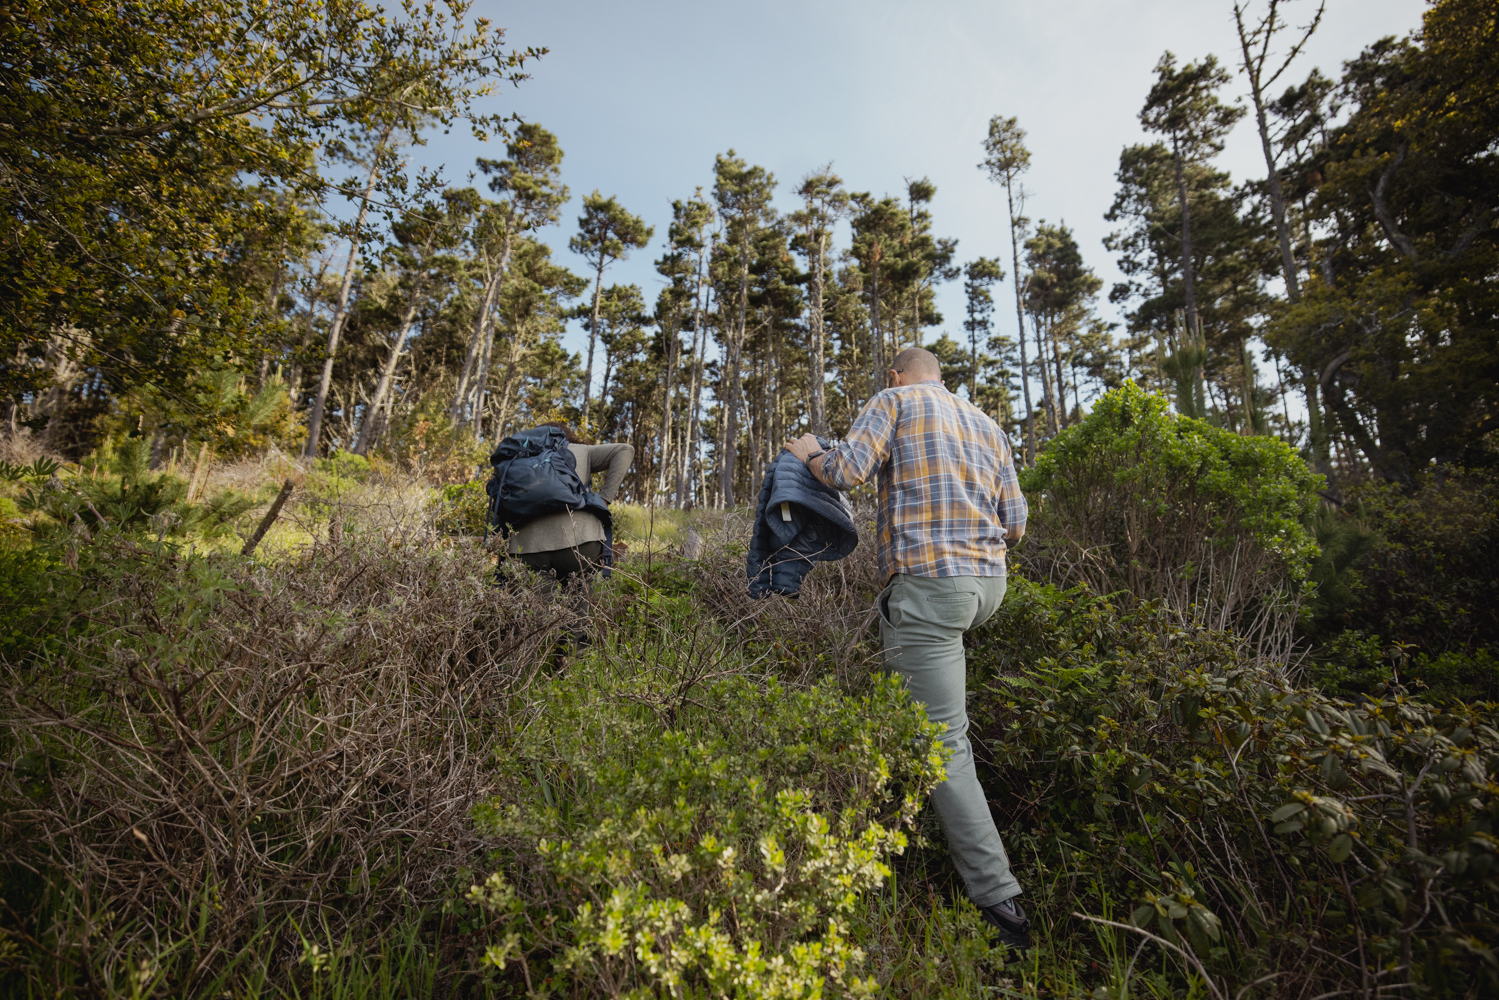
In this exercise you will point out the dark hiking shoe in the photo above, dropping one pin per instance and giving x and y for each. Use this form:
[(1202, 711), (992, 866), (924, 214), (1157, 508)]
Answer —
[(1010, 919)]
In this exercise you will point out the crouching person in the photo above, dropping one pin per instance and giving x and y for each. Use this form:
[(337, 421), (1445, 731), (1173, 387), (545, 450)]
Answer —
[(569, 544), (948, 504)]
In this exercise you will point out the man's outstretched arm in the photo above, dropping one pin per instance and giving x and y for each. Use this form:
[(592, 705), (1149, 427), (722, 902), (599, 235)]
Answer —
[(866, 448)]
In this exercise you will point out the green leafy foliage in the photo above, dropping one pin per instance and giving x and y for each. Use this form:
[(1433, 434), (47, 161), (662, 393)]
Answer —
[(130, 498), (1150, 759), (1137, 499), (461, 508), (1398, 317), (1406, 587), (727, 852), (40, 469)]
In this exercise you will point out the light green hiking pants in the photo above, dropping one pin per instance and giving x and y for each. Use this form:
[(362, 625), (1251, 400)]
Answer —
[(922, 621)]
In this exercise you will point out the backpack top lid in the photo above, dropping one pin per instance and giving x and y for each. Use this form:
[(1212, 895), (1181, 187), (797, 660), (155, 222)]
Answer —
[(529, 443)]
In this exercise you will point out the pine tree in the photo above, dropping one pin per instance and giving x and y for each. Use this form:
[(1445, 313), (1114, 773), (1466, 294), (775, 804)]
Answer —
[(743, 194), (377, 160), (1059, 290), (979, 275), (531, 196), (425, 245), (1006, 158), (881, 231), (606, 233), (824, 202), (533, 313), (1183, 106), (1255, 40)]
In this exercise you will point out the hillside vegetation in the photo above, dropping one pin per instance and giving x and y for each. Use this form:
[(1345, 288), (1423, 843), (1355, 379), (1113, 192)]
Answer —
[(352, 764)]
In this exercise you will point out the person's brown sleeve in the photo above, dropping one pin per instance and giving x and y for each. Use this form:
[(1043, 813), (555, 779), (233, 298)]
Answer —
[(613, 460)]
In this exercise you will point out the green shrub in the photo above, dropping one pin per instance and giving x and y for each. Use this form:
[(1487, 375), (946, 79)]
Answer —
[(1420, 586), (1266, 828), (727, 852), (171, 773), (345, 465), (131, 498), (1137, 499), (460, 508)]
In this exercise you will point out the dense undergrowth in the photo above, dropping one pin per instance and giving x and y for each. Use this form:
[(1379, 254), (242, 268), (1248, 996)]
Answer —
[(354, 765)]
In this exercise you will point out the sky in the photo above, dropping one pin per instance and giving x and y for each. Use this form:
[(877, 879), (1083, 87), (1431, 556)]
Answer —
[(643, 95)]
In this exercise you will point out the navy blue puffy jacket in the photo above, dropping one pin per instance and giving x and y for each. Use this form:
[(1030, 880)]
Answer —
[(821, 528)]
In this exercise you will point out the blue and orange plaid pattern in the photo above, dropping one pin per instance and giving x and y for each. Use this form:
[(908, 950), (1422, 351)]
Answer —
[(948, 498)]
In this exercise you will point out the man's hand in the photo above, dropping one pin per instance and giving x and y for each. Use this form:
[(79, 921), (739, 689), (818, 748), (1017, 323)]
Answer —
[(804, 446)]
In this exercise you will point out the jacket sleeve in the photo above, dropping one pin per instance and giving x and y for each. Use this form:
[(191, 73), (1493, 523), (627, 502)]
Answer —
[(614, 461)]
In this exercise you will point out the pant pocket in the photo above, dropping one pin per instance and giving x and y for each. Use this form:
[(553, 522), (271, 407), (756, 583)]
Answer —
[(951, 610)]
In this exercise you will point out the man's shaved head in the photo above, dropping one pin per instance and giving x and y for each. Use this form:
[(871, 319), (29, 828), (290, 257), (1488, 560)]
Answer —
[(917, 364)]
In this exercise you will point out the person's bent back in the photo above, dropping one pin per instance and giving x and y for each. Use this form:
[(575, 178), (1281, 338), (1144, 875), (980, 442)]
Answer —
[(570, 543)]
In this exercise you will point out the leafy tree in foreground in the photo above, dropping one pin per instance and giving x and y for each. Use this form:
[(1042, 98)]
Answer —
[(135, 182)]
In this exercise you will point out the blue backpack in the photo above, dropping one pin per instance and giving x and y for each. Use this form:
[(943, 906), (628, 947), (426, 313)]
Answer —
[(535, 475)]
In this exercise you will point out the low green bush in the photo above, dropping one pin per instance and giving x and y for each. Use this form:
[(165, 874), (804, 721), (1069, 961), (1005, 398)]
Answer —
[(461, 508), (207, 758), (130, 498), (1150, 766), (1134, 498), (345, 465), (726, 853), (1410, 590)]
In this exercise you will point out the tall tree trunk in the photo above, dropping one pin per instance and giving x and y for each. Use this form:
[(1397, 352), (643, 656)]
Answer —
[(341, 313), (730, 459), (877, 355), (1056, 354), (512, 361), (387, 373), (481, 381), (695, 430), (691, 402), (672, 346), (1077, 389), (604, 390), (593, 336), (1048, 402), (1188, 282), (973, 365), (1025, 378), (460, 412), (1316, 429), (1246, 387), (819, 359)]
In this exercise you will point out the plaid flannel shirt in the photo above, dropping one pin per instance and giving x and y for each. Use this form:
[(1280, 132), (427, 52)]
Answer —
[(948, 497)]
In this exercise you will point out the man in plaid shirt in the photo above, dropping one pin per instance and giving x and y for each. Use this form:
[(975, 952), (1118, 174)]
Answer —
[(949, 505)]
